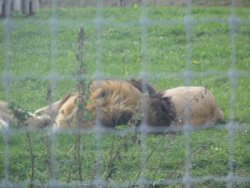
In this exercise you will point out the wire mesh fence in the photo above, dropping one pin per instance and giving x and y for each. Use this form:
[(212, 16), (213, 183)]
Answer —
[(44, 57)]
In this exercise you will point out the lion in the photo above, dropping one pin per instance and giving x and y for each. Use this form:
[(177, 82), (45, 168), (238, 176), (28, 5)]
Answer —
[(12, 115), (118, 102)]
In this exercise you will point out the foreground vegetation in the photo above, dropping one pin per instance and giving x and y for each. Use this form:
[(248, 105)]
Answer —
[(38, 53)]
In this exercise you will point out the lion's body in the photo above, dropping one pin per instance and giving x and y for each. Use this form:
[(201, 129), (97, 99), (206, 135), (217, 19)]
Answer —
[(195, 105)]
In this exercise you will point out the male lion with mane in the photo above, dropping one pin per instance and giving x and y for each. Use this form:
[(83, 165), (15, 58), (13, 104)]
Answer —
[(116, 102)]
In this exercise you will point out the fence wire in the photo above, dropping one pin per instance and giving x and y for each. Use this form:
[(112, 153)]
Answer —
[(188, 180)]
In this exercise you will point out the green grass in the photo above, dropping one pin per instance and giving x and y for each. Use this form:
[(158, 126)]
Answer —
[(119, 53)]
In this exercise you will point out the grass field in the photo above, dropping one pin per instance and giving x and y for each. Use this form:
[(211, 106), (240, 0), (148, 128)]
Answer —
[(34, 48)]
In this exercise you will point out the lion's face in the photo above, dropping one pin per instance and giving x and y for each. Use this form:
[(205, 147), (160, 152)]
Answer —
[(113, 101)]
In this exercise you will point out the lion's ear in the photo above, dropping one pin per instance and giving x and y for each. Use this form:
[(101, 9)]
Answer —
[(138, 84)]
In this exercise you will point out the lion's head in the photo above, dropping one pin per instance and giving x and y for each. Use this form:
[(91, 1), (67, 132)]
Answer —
[(113, 102)]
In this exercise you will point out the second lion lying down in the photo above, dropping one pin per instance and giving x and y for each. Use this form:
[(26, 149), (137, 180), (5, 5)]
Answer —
[(116, 102)]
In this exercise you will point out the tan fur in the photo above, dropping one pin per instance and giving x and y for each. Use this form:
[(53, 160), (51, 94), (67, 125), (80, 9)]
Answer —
[(7, 117), (195, 105), (113, 102), (112, 93), (61, 111), (66, 111)]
